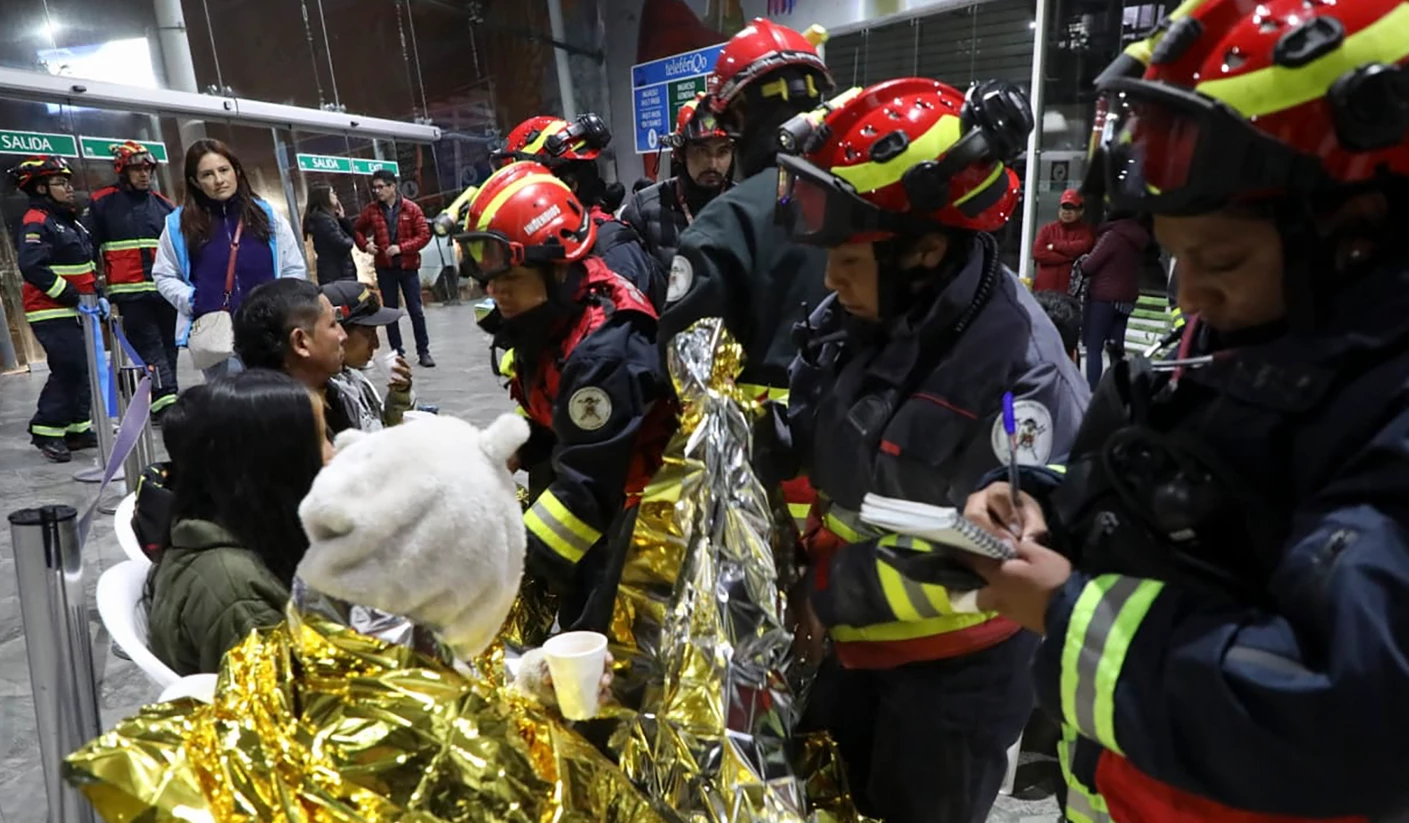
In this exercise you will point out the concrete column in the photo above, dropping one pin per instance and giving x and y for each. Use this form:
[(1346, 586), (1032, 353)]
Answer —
[(180, 69), (1034, 141), (560, 57)]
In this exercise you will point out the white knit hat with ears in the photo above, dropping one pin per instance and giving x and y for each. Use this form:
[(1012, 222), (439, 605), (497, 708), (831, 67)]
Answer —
[(421, 520)]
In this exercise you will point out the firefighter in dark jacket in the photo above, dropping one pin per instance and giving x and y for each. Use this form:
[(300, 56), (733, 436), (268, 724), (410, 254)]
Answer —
[(702, 157), (898, 391), (1222, 574), (56, 262), (733, 262), (570, 151), (125, 221), (586, 374)]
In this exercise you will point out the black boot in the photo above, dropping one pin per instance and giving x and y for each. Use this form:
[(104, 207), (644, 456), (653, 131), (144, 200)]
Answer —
[(54, 450), (84, 440), (426, 361)]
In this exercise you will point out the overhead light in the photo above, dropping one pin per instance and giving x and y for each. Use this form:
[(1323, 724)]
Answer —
[(48, 30), (1032, 24)]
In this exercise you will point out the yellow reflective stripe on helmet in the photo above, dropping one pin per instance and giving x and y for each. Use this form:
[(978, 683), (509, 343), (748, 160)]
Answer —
[(998, 170), (130, 288), (871, 176), (1103, 623), (125, 245), (487, 218), (1278, 88), (1143, 50), (536, 145), (56, 288), (564, 532), (49, 314)]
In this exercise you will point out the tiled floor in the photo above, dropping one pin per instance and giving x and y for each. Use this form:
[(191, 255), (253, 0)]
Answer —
[(462, 385)]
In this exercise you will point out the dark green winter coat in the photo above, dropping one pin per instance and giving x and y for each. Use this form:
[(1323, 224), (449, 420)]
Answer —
[(208, 593)]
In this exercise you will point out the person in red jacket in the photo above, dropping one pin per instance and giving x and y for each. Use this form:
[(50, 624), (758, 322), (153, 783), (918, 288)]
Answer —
[(1060, 243), (1113, 268), (394, 230)]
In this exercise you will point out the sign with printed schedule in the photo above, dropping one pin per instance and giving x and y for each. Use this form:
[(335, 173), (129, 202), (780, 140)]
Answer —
[(659, 88)]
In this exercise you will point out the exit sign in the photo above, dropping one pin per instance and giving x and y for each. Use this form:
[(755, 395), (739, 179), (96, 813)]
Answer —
[(332, 164), (101, 148), (35, 142)]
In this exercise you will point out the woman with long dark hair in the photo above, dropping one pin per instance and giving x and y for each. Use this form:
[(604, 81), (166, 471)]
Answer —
[(220, 223), (251, 446), (331, 231)]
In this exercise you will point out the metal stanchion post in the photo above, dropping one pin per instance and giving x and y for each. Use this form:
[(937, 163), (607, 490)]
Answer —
[(102, 423), (128, 375), (49, 568)]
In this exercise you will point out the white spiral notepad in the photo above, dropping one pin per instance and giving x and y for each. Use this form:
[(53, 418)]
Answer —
[(937, 524)]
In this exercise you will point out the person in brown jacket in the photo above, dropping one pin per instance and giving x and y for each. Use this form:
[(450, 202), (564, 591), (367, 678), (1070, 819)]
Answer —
[(394, 230), (1060, 243), (1113, 271)]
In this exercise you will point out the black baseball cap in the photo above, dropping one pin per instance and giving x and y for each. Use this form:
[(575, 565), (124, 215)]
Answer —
[(355, 304)]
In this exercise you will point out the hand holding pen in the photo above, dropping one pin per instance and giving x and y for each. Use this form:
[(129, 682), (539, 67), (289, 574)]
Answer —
[(1010, 425)]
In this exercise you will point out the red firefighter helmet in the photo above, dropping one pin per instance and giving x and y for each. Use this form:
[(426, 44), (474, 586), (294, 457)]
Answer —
[(553, 140), (901, 156), (694, 121), (523, 214), (33, 169), (1242, 101), (759, 49), (129, 154)]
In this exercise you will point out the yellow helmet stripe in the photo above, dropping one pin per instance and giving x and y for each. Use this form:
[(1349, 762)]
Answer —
[(487, 218), (998, 170), (536, 145), (1143, 50), (1278, 88), (871, 176)]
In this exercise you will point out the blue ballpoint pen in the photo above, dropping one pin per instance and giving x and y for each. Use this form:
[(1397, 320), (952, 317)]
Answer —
[(1010, 425)]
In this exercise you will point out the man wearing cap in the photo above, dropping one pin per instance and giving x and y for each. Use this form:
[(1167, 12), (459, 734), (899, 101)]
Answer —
[(361, 313), (1060, 243)]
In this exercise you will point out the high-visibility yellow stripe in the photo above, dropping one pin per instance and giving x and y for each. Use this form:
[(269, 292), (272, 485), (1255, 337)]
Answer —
[(126, 245), (873, 175), (1057, 467), (845, 528), (886, 632), (799, 513), (47, 431), (506, 364), (893, 586), (74, 270), (998, 170), (486, 218), (760, 392), (536, 145), (564, 532), (79, 428), (924, 599), (1278, 88), (162, 402), (56, 288), (49, 314), (131, 288)]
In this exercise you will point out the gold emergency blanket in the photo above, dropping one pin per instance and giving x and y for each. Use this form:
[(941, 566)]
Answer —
[(699, 626), (318, 721)]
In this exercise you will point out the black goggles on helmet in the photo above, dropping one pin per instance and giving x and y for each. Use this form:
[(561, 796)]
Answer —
[(488, 254), (1170, 150), (820, 209)]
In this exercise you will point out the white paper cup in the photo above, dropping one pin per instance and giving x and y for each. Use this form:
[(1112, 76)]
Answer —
[(383, 362), (577, 661)]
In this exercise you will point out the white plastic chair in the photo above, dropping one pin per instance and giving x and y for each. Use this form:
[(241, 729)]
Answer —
[(199, 686), (120, 607), (122, 524)]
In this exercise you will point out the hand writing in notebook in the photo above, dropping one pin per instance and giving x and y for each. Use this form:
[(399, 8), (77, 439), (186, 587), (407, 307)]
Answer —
[(992, 508), (1022, 588)]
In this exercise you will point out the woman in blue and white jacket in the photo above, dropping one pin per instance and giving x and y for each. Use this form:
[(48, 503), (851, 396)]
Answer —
[(195, 247)]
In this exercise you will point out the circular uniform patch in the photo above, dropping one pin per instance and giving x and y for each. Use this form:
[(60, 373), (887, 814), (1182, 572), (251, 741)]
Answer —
[(1034, 430), (589, 408), (682, 276)]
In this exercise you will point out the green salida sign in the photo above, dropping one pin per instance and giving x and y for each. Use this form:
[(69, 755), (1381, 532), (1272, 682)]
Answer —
[(332, 164), (101, 148), (36, 142)]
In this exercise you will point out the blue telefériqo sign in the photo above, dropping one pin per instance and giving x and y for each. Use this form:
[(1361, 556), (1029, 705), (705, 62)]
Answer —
[(659, 88)]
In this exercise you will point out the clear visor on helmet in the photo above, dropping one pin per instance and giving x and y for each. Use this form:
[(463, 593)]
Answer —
[(820, 209), (139, 159)]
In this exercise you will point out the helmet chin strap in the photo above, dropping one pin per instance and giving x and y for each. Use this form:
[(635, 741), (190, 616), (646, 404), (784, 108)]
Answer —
[(897, 289)]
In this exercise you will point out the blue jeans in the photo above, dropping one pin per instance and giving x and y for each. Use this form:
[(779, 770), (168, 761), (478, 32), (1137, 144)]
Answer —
[(1104, 322), (393, 283)]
